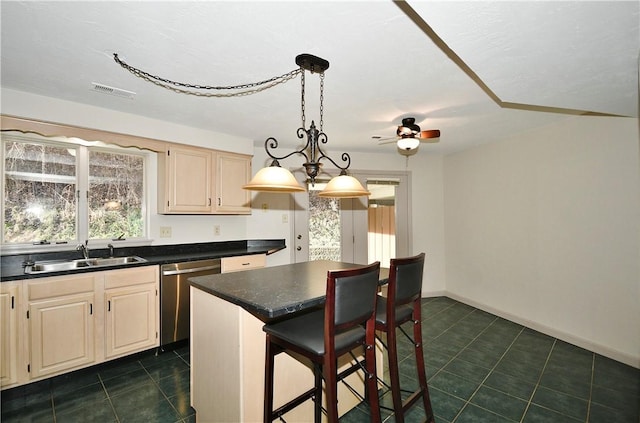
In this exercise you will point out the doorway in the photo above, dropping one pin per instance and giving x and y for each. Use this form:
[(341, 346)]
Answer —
[(354, 230)]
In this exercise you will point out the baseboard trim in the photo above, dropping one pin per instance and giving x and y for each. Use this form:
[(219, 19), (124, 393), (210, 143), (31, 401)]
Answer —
[(564, 336)]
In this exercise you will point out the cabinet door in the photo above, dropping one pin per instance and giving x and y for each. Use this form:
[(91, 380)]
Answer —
[(130, 319), (8, 334), (188, 189), (232, 172), (62, 334)]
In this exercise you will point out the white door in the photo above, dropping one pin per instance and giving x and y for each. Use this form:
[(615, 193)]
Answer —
[(333, 229)]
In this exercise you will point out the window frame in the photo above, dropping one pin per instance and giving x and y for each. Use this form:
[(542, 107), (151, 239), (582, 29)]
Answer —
[(82, 185)]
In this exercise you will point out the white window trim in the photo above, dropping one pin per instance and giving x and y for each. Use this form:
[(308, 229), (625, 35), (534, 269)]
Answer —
[(82, 181)]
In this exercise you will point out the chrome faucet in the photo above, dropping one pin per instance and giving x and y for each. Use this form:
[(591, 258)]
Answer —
[(84, 249)]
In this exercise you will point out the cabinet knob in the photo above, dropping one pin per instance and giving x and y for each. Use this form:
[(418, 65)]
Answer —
[(299, 248), (299, 236)]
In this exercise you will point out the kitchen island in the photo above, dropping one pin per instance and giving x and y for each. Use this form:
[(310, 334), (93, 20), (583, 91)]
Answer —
[(228, 344)]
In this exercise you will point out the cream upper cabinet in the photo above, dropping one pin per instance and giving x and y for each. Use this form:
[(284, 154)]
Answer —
[(61, 324), (184, 182), (131, 312), (194, 180), (9, 301), (232, 172)]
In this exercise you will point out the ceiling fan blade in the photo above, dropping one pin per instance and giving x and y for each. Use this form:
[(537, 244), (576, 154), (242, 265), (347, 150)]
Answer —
[(387, 140), (431, 133)]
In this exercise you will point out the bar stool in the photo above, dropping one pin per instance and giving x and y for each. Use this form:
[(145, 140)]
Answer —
[(322, 336), (402, 305)]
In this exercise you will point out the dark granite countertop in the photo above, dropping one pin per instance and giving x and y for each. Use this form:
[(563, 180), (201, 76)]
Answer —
[(275, 291), (12, 265)]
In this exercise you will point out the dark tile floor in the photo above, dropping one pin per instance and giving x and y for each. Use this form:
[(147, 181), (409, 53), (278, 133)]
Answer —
[(481, 368)]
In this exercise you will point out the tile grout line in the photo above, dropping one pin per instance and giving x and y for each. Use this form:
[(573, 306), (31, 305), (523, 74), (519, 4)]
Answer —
[(108, 398), (53, 405), (593, 371), (160, 389), (535, 389), (468, 401)]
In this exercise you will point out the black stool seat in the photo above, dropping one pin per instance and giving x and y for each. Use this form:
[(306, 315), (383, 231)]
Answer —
[(346, 322), (403, 312), (307, 332)]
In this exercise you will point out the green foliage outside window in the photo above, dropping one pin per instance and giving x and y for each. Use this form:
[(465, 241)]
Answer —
[(42, 201)]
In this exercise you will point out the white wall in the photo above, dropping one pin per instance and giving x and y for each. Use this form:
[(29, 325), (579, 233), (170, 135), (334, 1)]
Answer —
[(184, 229), (545, 229)]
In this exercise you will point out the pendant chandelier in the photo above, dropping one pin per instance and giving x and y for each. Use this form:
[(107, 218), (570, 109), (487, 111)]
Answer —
[(275, 178)]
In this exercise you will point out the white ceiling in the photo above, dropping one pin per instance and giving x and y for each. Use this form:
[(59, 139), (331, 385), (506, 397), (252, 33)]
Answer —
[(478, 71)]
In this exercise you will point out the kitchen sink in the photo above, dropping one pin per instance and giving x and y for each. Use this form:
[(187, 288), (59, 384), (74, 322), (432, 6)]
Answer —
[(63, 265)]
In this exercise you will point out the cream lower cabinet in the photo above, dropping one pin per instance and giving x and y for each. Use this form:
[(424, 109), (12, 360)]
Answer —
[(58, 324), (131, 315), (61, 324), (239, 263), (9, 301)]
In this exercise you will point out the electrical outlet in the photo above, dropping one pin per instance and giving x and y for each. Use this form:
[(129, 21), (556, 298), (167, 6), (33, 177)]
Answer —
[(216, 230), (265, 207), (285, 218), (165, 231)]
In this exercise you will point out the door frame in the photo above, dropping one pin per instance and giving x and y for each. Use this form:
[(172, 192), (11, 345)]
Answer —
[(354, 229)]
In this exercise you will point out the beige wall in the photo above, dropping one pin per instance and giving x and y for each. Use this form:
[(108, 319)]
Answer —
[(545, 228)]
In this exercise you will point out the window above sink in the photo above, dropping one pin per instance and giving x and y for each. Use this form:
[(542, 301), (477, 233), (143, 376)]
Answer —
[(58, 190)]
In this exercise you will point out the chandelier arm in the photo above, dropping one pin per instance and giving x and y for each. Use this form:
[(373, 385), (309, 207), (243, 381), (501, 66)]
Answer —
[(273, 144), (322, 137), (163, 82)]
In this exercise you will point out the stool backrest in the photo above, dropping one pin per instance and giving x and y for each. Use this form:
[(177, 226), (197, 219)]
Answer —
[(405, 279), (351, 296)]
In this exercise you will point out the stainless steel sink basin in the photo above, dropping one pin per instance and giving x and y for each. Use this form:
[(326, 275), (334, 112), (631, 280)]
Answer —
[(63, 265)]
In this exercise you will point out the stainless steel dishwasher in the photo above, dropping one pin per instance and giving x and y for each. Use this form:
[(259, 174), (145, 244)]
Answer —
[(174, 297)]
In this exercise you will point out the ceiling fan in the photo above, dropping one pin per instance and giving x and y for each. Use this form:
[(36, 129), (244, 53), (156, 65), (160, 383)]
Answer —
[(409, 136)]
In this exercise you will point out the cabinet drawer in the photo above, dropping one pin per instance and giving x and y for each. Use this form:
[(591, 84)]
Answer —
[(234, 264), (128, 277), (60, 286)]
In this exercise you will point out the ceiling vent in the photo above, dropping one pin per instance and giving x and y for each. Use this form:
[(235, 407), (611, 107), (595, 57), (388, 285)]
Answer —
[(105, 89)]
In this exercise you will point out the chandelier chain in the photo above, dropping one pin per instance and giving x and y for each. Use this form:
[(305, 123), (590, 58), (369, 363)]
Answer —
[(249, 88), (302, 102), (321, 100)]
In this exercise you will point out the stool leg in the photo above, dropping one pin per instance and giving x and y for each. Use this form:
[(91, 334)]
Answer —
[(330, 370), (422, 377), (371, 382), (392, 352), (317, 371), (268, 380)]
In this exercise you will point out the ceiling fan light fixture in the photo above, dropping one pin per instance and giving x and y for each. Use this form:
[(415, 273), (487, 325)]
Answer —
[(274, 179), (408, 143)]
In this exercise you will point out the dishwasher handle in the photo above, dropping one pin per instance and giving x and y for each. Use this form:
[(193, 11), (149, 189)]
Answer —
[(183, 271)]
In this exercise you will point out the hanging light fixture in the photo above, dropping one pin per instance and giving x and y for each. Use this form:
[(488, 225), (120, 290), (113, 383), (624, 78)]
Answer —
[(278, 179), (275, 178)]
